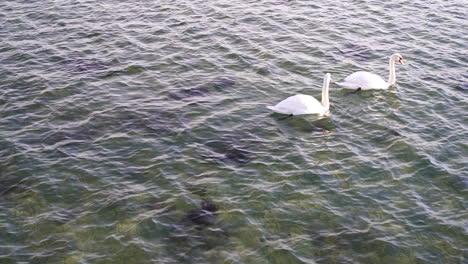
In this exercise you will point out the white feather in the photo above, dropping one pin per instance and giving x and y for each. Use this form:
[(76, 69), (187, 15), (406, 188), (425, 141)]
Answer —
[(299, 104), (302, 104), (366, 80)]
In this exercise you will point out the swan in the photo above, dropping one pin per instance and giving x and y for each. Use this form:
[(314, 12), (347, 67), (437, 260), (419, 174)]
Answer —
[(362, 80), (302, 104)]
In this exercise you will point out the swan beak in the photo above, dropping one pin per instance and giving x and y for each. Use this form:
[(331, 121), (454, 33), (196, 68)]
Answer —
[(400, 60)]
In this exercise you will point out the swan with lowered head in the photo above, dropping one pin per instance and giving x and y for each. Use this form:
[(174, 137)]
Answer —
[(302, 104), (362, 80)]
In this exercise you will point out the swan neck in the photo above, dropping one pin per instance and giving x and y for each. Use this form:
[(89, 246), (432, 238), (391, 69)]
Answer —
[(391, 75), (326, 84)]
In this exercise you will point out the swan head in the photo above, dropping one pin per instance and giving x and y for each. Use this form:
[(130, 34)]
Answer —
[(397, 57), (326, 79)]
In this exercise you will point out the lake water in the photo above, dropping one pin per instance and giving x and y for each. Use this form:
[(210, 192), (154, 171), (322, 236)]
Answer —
[(119, 118)]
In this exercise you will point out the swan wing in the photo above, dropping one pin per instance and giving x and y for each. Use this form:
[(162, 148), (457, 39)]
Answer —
[(298, 105), (365, 81)]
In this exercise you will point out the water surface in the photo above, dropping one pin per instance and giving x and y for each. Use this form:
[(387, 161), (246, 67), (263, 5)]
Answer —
[(119, 118)]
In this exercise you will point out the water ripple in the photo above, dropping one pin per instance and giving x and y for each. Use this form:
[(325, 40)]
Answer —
[(119, 119)]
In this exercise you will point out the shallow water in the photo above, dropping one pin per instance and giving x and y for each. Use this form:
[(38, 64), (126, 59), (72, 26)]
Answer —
[(119, 117)]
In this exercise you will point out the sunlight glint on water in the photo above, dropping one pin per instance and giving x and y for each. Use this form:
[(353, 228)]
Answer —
[(121, 121)]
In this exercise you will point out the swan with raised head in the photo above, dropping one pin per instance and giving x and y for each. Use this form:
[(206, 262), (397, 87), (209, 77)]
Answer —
[(302, 104), (363, 80)]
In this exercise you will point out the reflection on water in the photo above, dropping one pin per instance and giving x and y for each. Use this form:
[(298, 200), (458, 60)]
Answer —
[(139, 133)]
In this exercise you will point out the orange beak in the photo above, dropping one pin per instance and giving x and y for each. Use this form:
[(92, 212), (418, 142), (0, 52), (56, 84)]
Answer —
[(400, 60)]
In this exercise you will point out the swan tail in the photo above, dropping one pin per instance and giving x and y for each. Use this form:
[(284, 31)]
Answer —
[(274, 108), (278, 110), (347, 85)]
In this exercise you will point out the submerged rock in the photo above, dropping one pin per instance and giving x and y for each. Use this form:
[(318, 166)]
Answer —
[(206, 215), (223, 82), (82, 65), (237, 155), (10, 185), (190, 92), (230, 154), (205, 89), (462, 87), (80, 135), (355, 51), (63, 215)]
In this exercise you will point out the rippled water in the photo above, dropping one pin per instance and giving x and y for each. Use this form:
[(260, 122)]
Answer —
[(120, 118)]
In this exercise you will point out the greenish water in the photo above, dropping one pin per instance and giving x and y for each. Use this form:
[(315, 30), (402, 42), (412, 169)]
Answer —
[(117, 118)]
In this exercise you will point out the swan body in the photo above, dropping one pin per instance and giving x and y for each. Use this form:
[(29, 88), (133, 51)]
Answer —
[(302, 104), (366, 80)]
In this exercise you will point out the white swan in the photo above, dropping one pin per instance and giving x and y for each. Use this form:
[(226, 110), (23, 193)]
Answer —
[(301, 104), (362, 80)]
